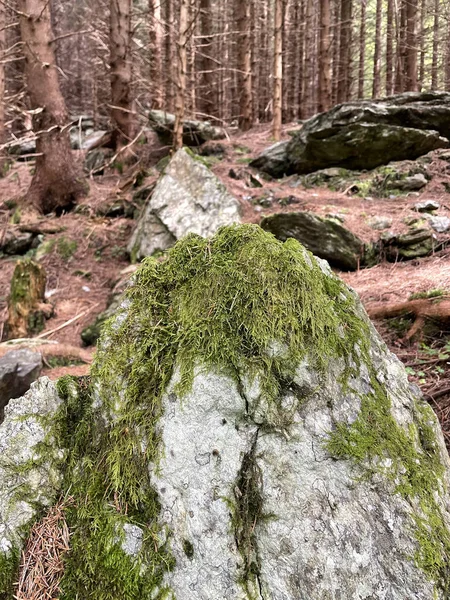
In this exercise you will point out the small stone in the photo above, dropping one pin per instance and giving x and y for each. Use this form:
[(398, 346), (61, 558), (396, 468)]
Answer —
[(439, 224), (411, 183), (336, 216), (380, 223), (427, 206), (132, 543)]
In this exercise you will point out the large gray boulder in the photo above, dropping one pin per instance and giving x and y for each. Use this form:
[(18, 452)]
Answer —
[(188, 198), (246, 434), (195, 133), (18, 370), (364, 135), (324, 237)]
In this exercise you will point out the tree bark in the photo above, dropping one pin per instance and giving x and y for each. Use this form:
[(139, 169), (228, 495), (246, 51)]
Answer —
[(122, 112), (377, 53), (411, 46), (277, 70), (169, 55), (2, 85), (435, 59), (244, 65), (156, 40), (345, 57), (207, 95), (309, 108), (58, 181), (362, 49), (390, 48), (181, 69), (324, 101)]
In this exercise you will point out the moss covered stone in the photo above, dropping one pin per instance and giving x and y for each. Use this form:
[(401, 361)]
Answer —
[(246, 434)]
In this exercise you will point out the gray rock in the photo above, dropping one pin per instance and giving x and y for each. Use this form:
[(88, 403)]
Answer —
[(427, 206), (30, 463), (188, 198), (93, 140), (416, 243), (412, 183), (366, 134), (246, 434), (16, 242), (379, 223), (18, 370), (439, 224), (195, 132), (324, 237), (274, 160)]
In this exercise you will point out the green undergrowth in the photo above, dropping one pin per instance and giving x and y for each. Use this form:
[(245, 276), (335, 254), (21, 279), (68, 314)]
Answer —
[(9, 565), (410, 458)]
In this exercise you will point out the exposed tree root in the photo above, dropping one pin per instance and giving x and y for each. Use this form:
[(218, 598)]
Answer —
[(436, 309)]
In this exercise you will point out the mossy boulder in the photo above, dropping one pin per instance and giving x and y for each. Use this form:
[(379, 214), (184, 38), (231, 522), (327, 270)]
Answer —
[(195, 132), (362, 135), (324, 237), (416, 243), (245, 434)]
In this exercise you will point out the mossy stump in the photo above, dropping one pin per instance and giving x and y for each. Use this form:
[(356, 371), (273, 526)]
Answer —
[(27, 309)]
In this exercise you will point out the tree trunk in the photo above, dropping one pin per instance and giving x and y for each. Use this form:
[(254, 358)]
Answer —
[(244, 65), (411, 46), (400, 58), (207, 94), (181, 69), (122, 113), (345, 67), (58, 181), (324, 102), (377, 53), (169, 56), (390, 48), (2, 85), (362, 50), (309, 108), (277, 70), (156, 40), (434, 64)]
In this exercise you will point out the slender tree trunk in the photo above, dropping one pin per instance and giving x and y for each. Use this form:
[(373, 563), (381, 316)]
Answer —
[(2, 84), (156, 40), (122, 111), (299, 29), (411, 45), (324, 102), (400, 59), (169, 55), (390, 48), (344, 83), (377, 53), (207, 97), (181, 65), (308, 79), (336, 50), (422, 41), (434, 64), (255, 42), (58, 181), (277, 70), (244, 65), (362, 50)]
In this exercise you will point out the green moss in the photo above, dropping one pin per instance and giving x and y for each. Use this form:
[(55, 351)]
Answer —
[(66, 247), (188, 549), (409, 457), (9, 566), (436, 293)]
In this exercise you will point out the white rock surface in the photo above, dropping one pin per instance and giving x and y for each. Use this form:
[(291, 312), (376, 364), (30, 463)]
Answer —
[(28, 460), (188, 198)]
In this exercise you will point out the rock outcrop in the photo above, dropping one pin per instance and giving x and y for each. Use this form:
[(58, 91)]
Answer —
[(246, 434), (195, 133), (325, 237), (188, 198), (364, 135)]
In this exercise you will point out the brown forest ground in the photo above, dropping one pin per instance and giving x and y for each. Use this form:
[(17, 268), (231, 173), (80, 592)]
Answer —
[(79, 285)]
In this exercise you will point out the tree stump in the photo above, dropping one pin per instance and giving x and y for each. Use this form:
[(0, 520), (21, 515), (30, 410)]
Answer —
[(27, 309)]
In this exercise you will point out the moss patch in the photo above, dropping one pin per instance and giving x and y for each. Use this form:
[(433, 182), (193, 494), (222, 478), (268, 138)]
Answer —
[(9, 566), (415, 469)]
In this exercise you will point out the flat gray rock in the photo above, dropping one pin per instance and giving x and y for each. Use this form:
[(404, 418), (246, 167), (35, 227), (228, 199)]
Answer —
[(18, 370)]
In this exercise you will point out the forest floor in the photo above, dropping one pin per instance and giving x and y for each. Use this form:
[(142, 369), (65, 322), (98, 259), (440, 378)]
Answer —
[(86, 256)]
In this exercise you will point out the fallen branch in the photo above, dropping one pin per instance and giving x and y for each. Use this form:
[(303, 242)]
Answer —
[(43, 227), (69, 322), (437, 309)]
